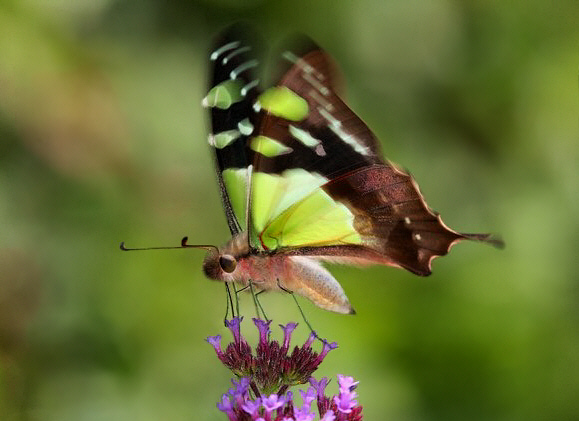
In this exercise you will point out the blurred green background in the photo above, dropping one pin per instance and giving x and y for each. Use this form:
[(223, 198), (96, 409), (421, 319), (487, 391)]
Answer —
[(103, 139)]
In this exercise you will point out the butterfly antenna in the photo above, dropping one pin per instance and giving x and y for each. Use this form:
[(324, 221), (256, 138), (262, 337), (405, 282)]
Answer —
[(183, 245)]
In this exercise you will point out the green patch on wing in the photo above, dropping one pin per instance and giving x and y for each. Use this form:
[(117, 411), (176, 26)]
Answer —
[(292, 210), (285, 103), (268, 146), (224, 95), (221, 140), (235, 180), (272, 193)]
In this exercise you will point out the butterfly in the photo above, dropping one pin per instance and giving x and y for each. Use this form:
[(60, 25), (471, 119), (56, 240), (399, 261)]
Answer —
[(302, 180)]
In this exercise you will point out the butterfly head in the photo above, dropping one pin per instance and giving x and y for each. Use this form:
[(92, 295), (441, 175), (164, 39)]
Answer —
[(217, 265), (221, 263)]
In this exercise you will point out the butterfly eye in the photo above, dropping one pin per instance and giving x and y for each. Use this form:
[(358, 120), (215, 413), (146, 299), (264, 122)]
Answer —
[(227, 263)]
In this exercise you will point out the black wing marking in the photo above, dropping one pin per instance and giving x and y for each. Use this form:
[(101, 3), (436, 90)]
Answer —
[(234, 57)]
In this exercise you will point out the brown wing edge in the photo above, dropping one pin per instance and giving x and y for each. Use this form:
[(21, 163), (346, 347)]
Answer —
[(362, 255), (392, 216)]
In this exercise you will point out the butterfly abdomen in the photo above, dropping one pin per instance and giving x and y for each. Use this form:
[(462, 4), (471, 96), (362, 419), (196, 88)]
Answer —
[(298, 274), (311, 280)]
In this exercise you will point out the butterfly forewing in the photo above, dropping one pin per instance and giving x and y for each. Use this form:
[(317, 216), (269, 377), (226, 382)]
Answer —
[(233, 89)]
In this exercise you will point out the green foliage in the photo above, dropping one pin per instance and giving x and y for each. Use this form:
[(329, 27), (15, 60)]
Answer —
[(103, 139)]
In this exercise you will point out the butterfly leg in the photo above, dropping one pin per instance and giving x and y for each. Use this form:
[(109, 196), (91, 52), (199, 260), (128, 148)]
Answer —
[(229, 303), (229, 306), (227, 300), (258, 307), (299, 308), (236, 299), (256, 303)]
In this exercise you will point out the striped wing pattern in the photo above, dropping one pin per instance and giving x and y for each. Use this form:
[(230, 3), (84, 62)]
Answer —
[(234, 88)]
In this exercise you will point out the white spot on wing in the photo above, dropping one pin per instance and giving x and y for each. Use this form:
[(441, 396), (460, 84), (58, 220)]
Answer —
[(316, 84), (246, 88), (215, 54), (336, 126), (306, 68), (235, 53), (331, 119), (303, 136), (289, 56), (320, 100), (407, 220), (245, 127), (242, 68), (308, 140)]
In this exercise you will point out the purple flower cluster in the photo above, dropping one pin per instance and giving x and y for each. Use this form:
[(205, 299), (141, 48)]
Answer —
[(239, 405), (264, 378), (272, 369)]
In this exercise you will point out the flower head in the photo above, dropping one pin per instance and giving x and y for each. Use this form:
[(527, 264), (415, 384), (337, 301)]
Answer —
[(266, 374), (240, 405), (271, 368)]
